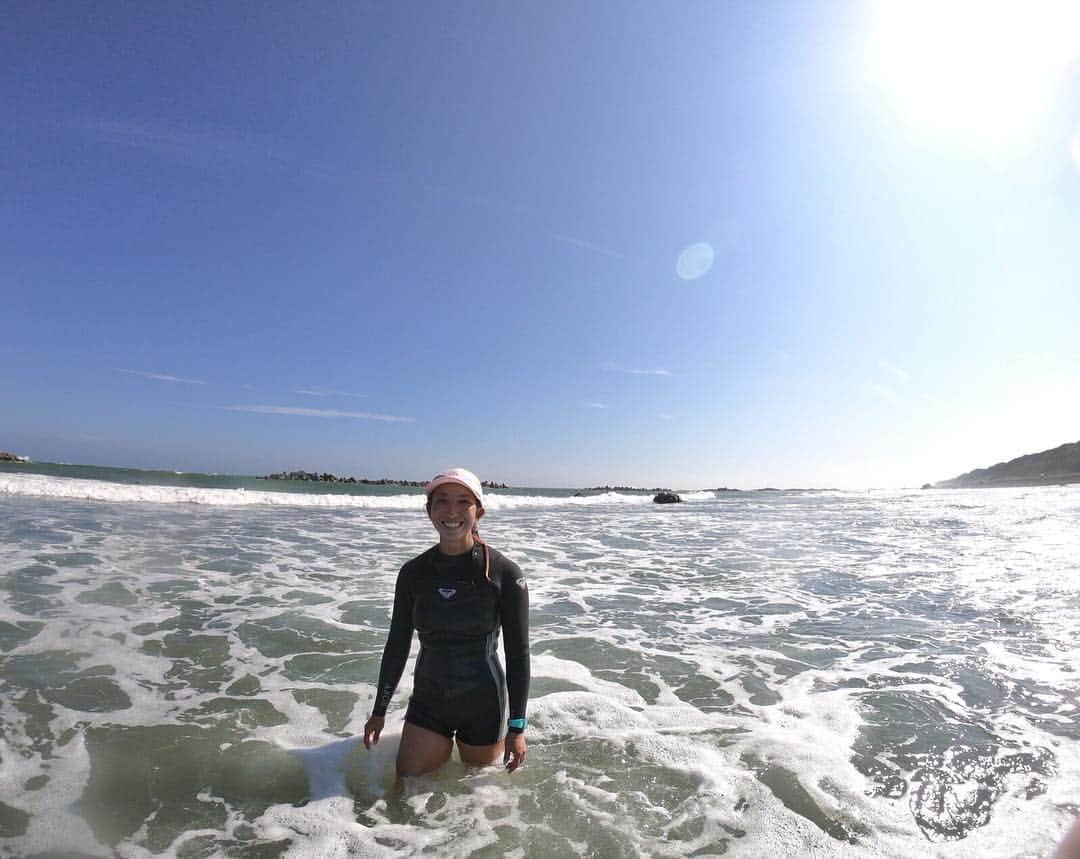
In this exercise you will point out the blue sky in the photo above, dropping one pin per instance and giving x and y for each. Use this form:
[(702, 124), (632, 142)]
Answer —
[(687, 244)]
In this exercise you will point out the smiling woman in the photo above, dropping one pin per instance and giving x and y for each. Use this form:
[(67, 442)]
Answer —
[(457, 596), (985, 70)]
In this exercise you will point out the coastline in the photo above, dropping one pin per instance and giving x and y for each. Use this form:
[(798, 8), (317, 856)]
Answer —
[(327, 477), (1009, 482), (1057, 466), (305, 481)]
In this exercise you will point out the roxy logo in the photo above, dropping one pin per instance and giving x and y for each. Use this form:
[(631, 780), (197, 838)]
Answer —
[(447, 593)]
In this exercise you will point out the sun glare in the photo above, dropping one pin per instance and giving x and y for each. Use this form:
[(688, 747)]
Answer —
[(985, 70)]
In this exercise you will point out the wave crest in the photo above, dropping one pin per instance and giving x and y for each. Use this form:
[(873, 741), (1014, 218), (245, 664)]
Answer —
[(78, 489)]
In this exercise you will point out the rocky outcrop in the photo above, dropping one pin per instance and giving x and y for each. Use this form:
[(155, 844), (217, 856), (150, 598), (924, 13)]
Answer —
[(621, 489), (12, 457), (666, 497), (326, 477)]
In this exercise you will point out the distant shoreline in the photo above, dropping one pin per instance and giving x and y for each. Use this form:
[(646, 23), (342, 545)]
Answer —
[(987, 478), (132, 474), (623, 489), (327, 477)]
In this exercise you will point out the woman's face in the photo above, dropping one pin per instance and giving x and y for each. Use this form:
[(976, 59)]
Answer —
[(454, 512)]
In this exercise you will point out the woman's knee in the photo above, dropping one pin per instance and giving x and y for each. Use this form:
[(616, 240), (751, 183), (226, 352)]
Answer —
[(480, 756)]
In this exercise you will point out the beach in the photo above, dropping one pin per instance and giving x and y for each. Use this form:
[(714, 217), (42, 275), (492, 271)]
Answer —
[(186, 664)]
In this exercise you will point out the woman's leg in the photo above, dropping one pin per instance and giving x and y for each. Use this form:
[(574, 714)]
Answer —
[(421, 751), (481, 720), (480, 756)]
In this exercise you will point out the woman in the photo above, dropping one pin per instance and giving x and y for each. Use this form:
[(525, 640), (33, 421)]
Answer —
[(457, 595)]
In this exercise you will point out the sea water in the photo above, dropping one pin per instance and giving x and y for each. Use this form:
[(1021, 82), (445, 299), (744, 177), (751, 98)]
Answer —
[(185, 671)]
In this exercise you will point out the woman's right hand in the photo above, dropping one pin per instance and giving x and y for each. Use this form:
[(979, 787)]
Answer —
[(372, 730)]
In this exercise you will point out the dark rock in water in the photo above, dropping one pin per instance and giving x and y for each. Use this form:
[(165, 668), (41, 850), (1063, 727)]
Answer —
[(666, 498), (12, 457), (928, 486)]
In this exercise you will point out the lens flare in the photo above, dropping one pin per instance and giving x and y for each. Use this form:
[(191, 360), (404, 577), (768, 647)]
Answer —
[(695, 261)]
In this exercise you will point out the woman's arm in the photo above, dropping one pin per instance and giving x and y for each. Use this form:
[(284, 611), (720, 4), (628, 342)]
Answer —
[(514, 612), (395, 655)]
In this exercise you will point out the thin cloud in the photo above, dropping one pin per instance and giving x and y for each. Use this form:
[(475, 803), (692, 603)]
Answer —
[(597, 405), (183, 142), (162, 377), (637, 371), (527, 213), (311, 392), (320, 413), (667, 417), (589, 246)]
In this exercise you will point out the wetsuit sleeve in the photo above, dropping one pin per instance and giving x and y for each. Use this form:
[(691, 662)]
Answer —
[(398, 644), (514, 611)]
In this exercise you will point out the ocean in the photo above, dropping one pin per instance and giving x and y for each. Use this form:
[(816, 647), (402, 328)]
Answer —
[(187, 661)]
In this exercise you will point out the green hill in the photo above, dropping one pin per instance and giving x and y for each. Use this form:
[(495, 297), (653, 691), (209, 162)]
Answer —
[(1060, 465)]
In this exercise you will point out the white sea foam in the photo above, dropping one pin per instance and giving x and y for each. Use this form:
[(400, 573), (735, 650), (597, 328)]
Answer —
[(97, 490), (36, 485)]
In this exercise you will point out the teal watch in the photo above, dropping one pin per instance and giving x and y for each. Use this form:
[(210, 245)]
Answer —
[(516, 726)]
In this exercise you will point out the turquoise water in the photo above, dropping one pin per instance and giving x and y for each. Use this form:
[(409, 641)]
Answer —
[(184, 670)]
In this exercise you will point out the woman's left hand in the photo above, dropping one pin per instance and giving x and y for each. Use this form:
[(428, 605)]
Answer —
[(514, 751)]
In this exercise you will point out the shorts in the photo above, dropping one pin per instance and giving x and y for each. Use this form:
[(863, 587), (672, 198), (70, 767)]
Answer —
[(474, 714)]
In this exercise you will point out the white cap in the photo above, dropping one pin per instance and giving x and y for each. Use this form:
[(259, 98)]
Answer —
[(460, 476)]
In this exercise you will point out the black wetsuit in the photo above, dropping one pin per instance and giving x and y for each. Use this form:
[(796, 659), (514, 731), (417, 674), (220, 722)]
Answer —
[(459, 687)]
